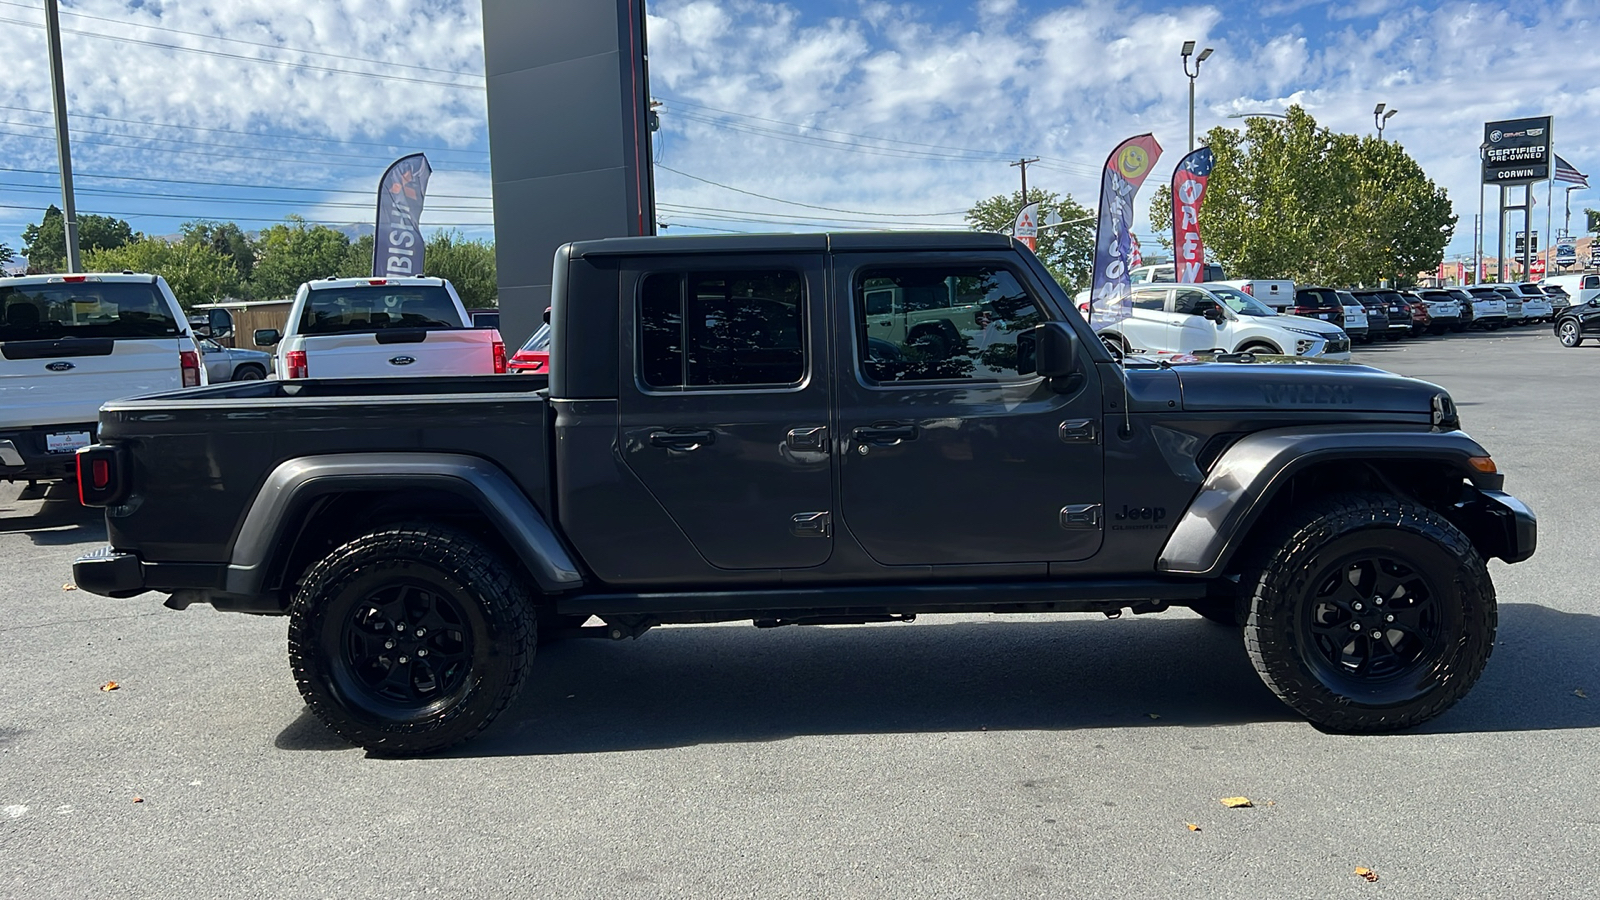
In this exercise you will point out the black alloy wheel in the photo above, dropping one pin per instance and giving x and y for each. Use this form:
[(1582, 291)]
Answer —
[(1368, 612), (411, 638)]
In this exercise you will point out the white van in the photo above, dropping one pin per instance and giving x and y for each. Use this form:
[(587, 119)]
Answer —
[(69, 343), (1168, 272), (381, 327)]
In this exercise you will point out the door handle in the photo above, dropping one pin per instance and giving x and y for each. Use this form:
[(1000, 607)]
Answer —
[(885, 435), (809, 438), (682, 440)]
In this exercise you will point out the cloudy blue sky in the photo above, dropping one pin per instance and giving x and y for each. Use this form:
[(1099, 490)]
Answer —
[(904, 114)]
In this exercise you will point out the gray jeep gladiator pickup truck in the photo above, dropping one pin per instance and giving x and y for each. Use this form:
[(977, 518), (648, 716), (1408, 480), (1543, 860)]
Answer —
[(723, 437)]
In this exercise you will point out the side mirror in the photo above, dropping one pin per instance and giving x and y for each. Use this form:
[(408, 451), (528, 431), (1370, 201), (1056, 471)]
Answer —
[(221, 322), (1214, 314), (547, 315), (1050, 350), (1595, 302), (268, 337)]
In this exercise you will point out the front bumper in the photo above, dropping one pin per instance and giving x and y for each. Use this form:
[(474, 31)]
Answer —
[(1499, 524)]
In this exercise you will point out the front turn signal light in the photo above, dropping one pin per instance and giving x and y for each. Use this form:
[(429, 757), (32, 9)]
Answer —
[(1482, 464)]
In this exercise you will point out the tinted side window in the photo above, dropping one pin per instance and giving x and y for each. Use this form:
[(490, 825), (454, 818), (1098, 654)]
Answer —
[(1189, 300), (1152, 300), (709, 329), (956, 323)]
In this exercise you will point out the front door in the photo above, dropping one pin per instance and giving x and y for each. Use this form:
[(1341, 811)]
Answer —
[(1192, 332), (723, 412), (948, 453)]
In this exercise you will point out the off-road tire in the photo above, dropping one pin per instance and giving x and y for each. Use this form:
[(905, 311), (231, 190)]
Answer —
[(1444, 599), (445, 582), (1570, 333)]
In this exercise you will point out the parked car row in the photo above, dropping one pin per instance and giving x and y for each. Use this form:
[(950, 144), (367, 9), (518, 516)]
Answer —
[(1377, 314)]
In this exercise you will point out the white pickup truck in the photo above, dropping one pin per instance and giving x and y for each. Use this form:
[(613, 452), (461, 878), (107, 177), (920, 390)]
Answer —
[(381, 327), (69, 343)]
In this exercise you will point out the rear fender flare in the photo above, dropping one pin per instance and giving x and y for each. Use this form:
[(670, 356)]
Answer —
[(1245, 478), (292, 488)]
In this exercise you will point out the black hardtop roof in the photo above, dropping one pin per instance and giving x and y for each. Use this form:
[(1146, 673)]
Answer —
[(778, 243)]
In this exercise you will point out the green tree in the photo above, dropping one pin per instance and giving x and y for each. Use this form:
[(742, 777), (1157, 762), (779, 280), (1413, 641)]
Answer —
[(6, 255), (197, 273), (467, 264), (1067, 250), (293, 253), (358, 258), (1290, 199), (225, 238), (1593, 215), (45, 244)]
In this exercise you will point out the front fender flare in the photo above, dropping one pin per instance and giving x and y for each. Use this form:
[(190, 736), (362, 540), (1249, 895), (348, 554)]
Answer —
[(290, 489), (1244, 479)]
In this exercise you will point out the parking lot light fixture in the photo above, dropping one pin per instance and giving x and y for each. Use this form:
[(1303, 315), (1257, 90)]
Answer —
[(1188, 50), (1381, 118)]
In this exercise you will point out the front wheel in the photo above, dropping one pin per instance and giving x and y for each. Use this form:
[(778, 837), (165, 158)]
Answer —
[(410, 639), (1570, 333), (249, 373), (1373, 614)]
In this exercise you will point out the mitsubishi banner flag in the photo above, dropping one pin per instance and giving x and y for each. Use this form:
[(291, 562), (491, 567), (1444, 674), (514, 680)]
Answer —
[(1026, 228), (397, 247), (1125, 171), (1188, 192)]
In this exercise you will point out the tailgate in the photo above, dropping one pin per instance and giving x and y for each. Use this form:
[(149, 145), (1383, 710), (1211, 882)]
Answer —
[(45, 382), (401, 352)]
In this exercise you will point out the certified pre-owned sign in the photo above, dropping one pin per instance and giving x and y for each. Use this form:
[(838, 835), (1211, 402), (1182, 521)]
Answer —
[(1516, 151)]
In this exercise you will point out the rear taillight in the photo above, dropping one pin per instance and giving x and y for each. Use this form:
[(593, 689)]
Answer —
[(102, 478), (189, 363), (295, 360), (499, 350)]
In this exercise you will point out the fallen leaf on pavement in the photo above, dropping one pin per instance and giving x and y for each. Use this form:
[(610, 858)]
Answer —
[(138, 799), (1191, 826), (1236, 802), (1366, 873), (110, 686), (69, 586), (1579, 692)]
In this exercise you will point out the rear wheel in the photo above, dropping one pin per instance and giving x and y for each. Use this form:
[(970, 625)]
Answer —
[(410, 639), (1374, 614), (1570, 333), (249, 373)]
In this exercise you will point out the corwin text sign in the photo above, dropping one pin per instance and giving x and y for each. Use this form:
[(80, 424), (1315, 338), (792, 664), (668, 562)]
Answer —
[(1516, 151)]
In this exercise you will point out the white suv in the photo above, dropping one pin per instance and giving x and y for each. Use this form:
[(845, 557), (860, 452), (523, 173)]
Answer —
[(381, 327), (69, 343), (1196, 318)]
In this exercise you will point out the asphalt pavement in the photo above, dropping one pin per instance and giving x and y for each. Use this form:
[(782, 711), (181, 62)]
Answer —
[(959, 756)]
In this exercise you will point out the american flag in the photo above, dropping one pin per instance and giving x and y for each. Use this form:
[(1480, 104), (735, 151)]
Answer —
[(1565, 172)]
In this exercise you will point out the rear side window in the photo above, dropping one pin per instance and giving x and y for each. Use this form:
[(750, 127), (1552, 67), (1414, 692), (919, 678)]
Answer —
[(540, 342), (1151, 300), (722, 329), (946, 323), (88, 309), (373, 307)]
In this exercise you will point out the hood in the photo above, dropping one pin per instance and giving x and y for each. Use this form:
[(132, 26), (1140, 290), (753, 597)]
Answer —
[(1282, 383), (1318, 327)]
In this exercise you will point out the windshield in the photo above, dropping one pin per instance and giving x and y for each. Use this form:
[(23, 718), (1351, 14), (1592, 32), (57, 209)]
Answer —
[(87, 309), (372, 307), (1240, 302), (540, 342)]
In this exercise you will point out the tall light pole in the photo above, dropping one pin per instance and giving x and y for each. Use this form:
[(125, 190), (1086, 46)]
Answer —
[(1188, 51), (1381, 118), (69, 209)]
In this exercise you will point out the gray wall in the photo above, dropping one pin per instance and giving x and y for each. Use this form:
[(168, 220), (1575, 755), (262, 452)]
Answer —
[(569, 143)]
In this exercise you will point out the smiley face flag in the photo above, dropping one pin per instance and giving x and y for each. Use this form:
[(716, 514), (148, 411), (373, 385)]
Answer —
[(1125, 171)]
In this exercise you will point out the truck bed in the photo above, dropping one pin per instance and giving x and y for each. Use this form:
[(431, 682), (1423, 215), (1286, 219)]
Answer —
[(217, 445)]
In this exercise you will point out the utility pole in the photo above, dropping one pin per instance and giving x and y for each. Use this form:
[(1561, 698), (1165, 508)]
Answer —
[(1023, 164), (69, 209)]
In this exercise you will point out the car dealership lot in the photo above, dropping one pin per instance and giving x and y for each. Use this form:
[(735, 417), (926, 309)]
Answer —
[(959, 756)]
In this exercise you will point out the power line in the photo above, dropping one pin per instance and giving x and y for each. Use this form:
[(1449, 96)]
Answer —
[(263, 134), (280, 159), (218, 37), (235, 184), (110, 192), (855, 212), (829, 143), (992, 153), (257, 59), (190, 216), (711, 212)]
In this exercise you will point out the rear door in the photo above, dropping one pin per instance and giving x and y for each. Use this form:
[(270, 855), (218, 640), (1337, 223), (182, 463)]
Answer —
[(66, 347), (949, 455), (1148, 324), (723, 408)]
